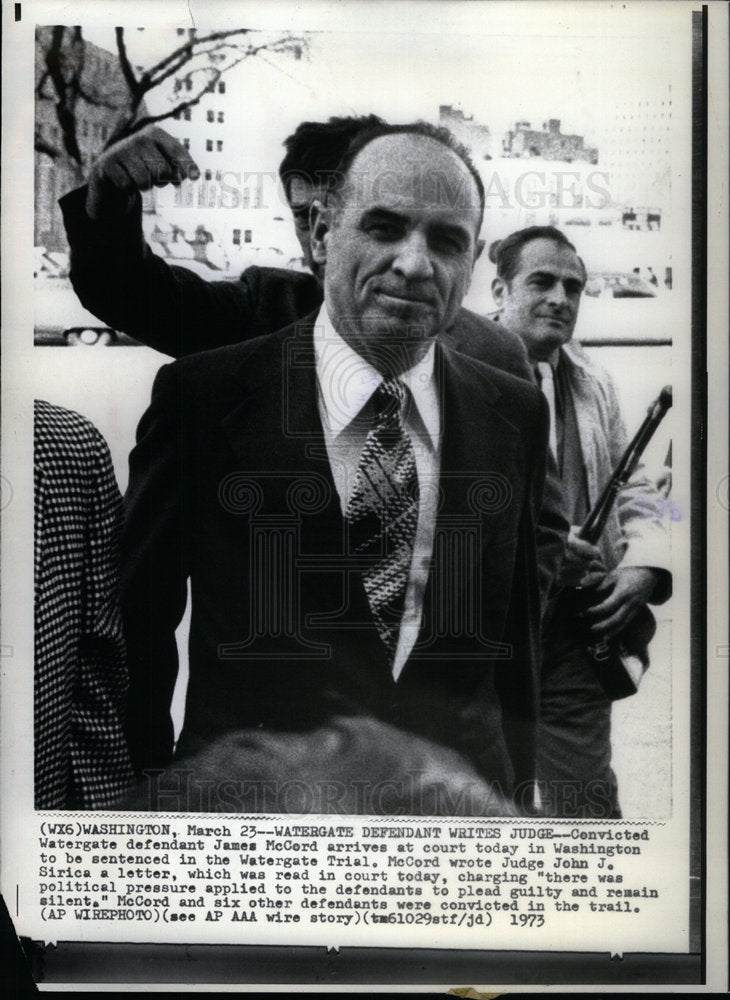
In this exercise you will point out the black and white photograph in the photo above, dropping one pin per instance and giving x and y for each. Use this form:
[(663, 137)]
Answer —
[(355, 489)]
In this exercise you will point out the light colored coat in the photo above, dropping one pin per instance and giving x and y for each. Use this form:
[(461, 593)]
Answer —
[(636, 531)]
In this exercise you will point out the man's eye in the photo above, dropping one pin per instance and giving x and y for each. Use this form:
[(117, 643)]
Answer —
[(448, 244), (384, 230)]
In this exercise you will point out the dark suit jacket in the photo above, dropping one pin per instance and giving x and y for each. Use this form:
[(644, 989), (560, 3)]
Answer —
[(230, 485)]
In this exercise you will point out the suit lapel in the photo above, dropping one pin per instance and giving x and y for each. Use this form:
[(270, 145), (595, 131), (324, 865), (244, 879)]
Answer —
[(477, 443), (275, 416), (584, 408), (476, 437)]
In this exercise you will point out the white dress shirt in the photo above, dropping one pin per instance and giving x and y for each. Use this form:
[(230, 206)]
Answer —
[(345, 383)]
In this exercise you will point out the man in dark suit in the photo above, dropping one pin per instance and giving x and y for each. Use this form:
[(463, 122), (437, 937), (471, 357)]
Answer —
[(353, 502), (118, 277)]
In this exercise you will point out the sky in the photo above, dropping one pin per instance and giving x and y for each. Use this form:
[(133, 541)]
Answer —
[(576, 62)]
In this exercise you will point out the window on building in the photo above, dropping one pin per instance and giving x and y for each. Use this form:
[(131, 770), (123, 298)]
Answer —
[(219, 145), (187, 114), (221, 116), (221, 88), (217, 175), (188, 83), (181, 31), (186, 143), (209, 175), (209, 145), (210, 116), (247, 236), (177, 114), (237, 237)]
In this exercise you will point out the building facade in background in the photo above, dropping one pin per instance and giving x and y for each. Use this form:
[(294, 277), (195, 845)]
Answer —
[(96, 98), (637, 139), (467, 129), (549, 144), (229, 218)]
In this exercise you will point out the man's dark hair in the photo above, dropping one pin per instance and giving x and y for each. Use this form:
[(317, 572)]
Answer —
[(506, 253), (437, 132), (314, 149)]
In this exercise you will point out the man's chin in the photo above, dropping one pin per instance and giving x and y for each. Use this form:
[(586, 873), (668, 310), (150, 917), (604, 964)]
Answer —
[(558, 326), (392, 344), (554, 336), (406, 321)]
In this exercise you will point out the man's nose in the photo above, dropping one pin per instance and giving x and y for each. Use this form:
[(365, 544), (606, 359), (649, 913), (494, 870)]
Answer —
[(413, 259), (558, 295)]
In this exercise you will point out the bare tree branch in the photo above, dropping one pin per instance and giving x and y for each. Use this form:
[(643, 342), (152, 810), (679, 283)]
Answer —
[(197, 43), (42, 81), (130, 127), (207, 57), (294, 44), (155, 81), (99, 102), (186, 54), (66, 103), (42, 145), (124, 63)]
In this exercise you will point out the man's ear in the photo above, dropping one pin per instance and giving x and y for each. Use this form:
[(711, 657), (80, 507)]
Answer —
[(319, 227), (499, 289)]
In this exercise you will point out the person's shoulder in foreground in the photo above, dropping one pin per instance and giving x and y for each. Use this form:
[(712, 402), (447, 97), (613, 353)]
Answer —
[(55, 426)]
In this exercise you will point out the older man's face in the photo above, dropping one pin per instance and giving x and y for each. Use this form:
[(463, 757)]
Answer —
[(541, 302), (399, 246)]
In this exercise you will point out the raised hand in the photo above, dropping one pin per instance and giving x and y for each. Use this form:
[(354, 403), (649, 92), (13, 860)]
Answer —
[(150, 158)]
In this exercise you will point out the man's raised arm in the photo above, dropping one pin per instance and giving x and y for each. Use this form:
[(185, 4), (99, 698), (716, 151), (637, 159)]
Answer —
[(118, 278)]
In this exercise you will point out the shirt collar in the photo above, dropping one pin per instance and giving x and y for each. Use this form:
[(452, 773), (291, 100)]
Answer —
[(347, 381)]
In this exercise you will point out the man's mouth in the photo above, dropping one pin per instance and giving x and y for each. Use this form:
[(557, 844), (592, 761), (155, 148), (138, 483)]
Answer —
[(552, 318), (404, 297)]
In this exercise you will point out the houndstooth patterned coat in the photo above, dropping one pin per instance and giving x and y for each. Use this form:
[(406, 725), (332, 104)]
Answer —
[(81, 759)]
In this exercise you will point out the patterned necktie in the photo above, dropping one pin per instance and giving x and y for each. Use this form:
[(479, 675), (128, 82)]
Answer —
[(382, 511), (547, 384)]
